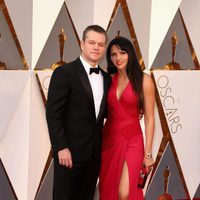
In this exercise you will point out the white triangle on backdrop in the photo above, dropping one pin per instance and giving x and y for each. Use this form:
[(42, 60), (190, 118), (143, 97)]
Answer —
[(102, 16), (39, 142), (162, 14), (190, 12), (183, 121), (14, 147), (140, 12), (9, 90), (45, 13), (21, 16), (25, 145)]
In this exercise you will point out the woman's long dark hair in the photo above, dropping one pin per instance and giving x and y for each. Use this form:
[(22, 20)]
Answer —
[(133, 70)]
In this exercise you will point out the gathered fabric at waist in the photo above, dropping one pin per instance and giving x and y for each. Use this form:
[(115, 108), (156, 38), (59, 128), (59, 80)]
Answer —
[(127, 128)]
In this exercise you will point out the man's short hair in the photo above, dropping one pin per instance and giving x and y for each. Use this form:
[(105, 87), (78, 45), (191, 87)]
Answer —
[(95, 28)]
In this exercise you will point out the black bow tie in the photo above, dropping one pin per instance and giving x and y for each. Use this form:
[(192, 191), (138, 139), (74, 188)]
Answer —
[(95, 70)]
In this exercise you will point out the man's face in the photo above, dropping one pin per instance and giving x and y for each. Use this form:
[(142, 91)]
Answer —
[(93, 47)]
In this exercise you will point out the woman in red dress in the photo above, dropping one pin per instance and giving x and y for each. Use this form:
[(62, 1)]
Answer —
[(131, 95)]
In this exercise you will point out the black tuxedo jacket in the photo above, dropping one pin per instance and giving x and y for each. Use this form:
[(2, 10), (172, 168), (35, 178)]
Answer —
[(70, 112)]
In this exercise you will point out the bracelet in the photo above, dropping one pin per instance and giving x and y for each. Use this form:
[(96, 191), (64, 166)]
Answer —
[(148, 155)]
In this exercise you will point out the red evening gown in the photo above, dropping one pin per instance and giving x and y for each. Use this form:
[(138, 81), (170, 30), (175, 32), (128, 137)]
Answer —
[(122, 141)]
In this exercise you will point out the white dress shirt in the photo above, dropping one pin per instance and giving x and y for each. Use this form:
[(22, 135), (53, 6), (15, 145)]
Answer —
[(96, 82)]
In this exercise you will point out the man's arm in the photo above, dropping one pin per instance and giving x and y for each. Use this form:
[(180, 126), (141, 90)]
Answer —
[(55, 107)]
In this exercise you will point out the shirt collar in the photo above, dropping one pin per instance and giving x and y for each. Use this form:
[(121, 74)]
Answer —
[(86, 65)]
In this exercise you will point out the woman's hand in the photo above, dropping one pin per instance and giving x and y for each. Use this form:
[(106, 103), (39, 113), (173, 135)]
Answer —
[(148, 163)]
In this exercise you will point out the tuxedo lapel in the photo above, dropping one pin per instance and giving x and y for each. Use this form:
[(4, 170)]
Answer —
[(85, 81), (105, 89)]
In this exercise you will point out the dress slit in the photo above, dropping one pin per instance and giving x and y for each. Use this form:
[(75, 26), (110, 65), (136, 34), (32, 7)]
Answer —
[(125, 163)]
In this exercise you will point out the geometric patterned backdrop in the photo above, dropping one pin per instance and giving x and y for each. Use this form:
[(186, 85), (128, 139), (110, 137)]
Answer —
[(29, 44)]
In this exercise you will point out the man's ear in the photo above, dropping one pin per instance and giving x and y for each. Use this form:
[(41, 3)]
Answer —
[(81, 44)]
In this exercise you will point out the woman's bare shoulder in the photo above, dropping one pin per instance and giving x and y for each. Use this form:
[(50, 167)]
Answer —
[(148, 82)]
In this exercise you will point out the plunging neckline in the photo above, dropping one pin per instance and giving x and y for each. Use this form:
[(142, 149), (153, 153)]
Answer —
[(120, 97)]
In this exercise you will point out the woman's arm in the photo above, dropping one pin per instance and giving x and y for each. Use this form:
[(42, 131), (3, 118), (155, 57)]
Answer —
[(149, 121)]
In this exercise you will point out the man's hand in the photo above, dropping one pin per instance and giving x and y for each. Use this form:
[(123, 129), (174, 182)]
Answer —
[(65, 158)]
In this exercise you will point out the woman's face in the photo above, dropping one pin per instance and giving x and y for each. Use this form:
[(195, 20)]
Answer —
[(119, 57)]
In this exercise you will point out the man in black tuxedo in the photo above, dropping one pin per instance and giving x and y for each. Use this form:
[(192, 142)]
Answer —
[(75, 112)]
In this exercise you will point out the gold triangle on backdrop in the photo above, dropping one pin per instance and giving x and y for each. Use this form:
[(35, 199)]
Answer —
[(5, 12)]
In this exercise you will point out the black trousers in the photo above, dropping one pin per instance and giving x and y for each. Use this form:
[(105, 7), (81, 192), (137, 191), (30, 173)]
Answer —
[(78, 183)]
